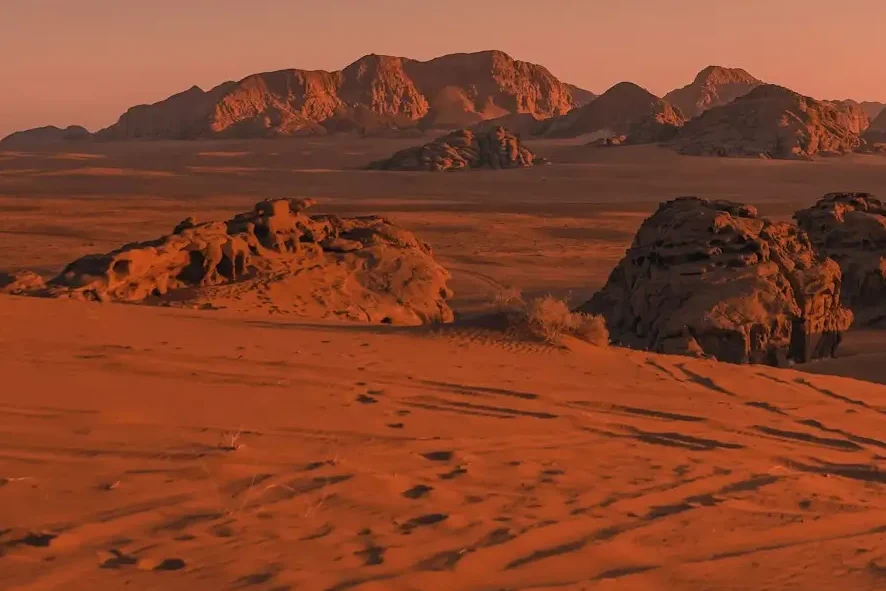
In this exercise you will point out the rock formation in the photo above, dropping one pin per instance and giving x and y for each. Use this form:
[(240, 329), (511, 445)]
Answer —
[(43, 135), (273, 257), (851, 229), (712, 87), (374, 93), (714, 278), (624, 109), (773, 122), (876, 132), (463, 150), (21, 282)]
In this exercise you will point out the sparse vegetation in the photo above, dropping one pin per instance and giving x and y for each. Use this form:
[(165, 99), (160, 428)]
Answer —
[(548, 318)]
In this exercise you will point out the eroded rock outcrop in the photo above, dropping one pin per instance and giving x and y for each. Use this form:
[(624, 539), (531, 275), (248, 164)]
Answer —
[(625, 109), (463, 150), (714, 278), (375, 94), (851, 229), (277, 258), (773, 122), (21, 282), (712, 87)]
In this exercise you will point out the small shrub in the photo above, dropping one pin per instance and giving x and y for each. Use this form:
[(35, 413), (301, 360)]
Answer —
[(592, 328), (548, 318)]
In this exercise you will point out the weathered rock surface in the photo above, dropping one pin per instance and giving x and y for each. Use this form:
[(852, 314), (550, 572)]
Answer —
[(625, 109), (43, 135), (276, 258), (463, 150), (374, 94), (714, 278), (773, 122), (712, 87), (851, 229), (20, 282)]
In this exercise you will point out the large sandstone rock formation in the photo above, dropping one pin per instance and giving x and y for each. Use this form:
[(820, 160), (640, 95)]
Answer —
[(851, 229), (624, 109), (274, 257), (773, 122), (463, 150), (374, 93), (712, 87), (43, 135), (714, 278)]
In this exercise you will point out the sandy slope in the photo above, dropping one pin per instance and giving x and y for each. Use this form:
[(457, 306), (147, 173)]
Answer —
[(363, 465), (379, 458)]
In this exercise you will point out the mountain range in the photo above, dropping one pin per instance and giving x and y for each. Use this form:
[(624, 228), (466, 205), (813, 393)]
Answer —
[(380, 94)]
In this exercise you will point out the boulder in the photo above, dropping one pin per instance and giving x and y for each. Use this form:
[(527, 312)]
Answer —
[(273, 257), (463, 150), (21, 282), (851, 229), (714, 278)]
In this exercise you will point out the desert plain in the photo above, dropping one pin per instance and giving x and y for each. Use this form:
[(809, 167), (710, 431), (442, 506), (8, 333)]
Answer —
[(151, 447)]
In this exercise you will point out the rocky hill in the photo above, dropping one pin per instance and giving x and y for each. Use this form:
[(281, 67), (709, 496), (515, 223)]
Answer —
[(42, 135), (714, 278), (624, 109), (774, 122), (712, 87), (374, 93), (275, 258), (850, 228), (465, 149)]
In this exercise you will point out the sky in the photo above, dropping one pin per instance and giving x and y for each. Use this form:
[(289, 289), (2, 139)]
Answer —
[(85, 62)]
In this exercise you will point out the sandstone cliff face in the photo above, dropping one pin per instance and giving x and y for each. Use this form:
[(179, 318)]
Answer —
[(463, 150), (712, 87), (42, 135), (374, 93), (624, 109), (713, 278), (851, 229), (274, 258), (773, 122)]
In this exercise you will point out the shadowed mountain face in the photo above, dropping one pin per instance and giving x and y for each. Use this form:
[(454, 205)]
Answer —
[(712, 87), (774, 122), (375, 92), (876, 133)]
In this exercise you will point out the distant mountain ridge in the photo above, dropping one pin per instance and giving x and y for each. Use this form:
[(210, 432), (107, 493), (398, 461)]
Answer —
[(375, 92), (48, 134)]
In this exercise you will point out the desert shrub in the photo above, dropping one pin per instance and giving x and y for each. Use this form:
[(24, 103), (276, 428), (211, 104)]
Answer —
[(548, 318)]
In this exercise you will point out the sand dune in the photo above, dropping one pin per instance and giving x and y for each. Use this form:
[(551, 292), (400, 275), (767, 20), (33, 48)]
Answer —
[(158, 448), (191, 449)]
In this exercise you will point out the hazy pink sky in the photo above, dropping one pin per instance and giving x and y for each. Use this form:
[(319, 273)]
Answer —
[(85, 61)]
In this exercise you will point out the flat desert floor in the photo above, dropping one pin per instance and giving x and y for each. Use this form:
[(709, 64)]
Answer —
[(158, 448)]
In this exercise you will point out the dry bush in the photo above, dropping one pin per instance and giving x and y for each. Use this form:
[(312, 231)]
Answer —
[(548, 318)]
